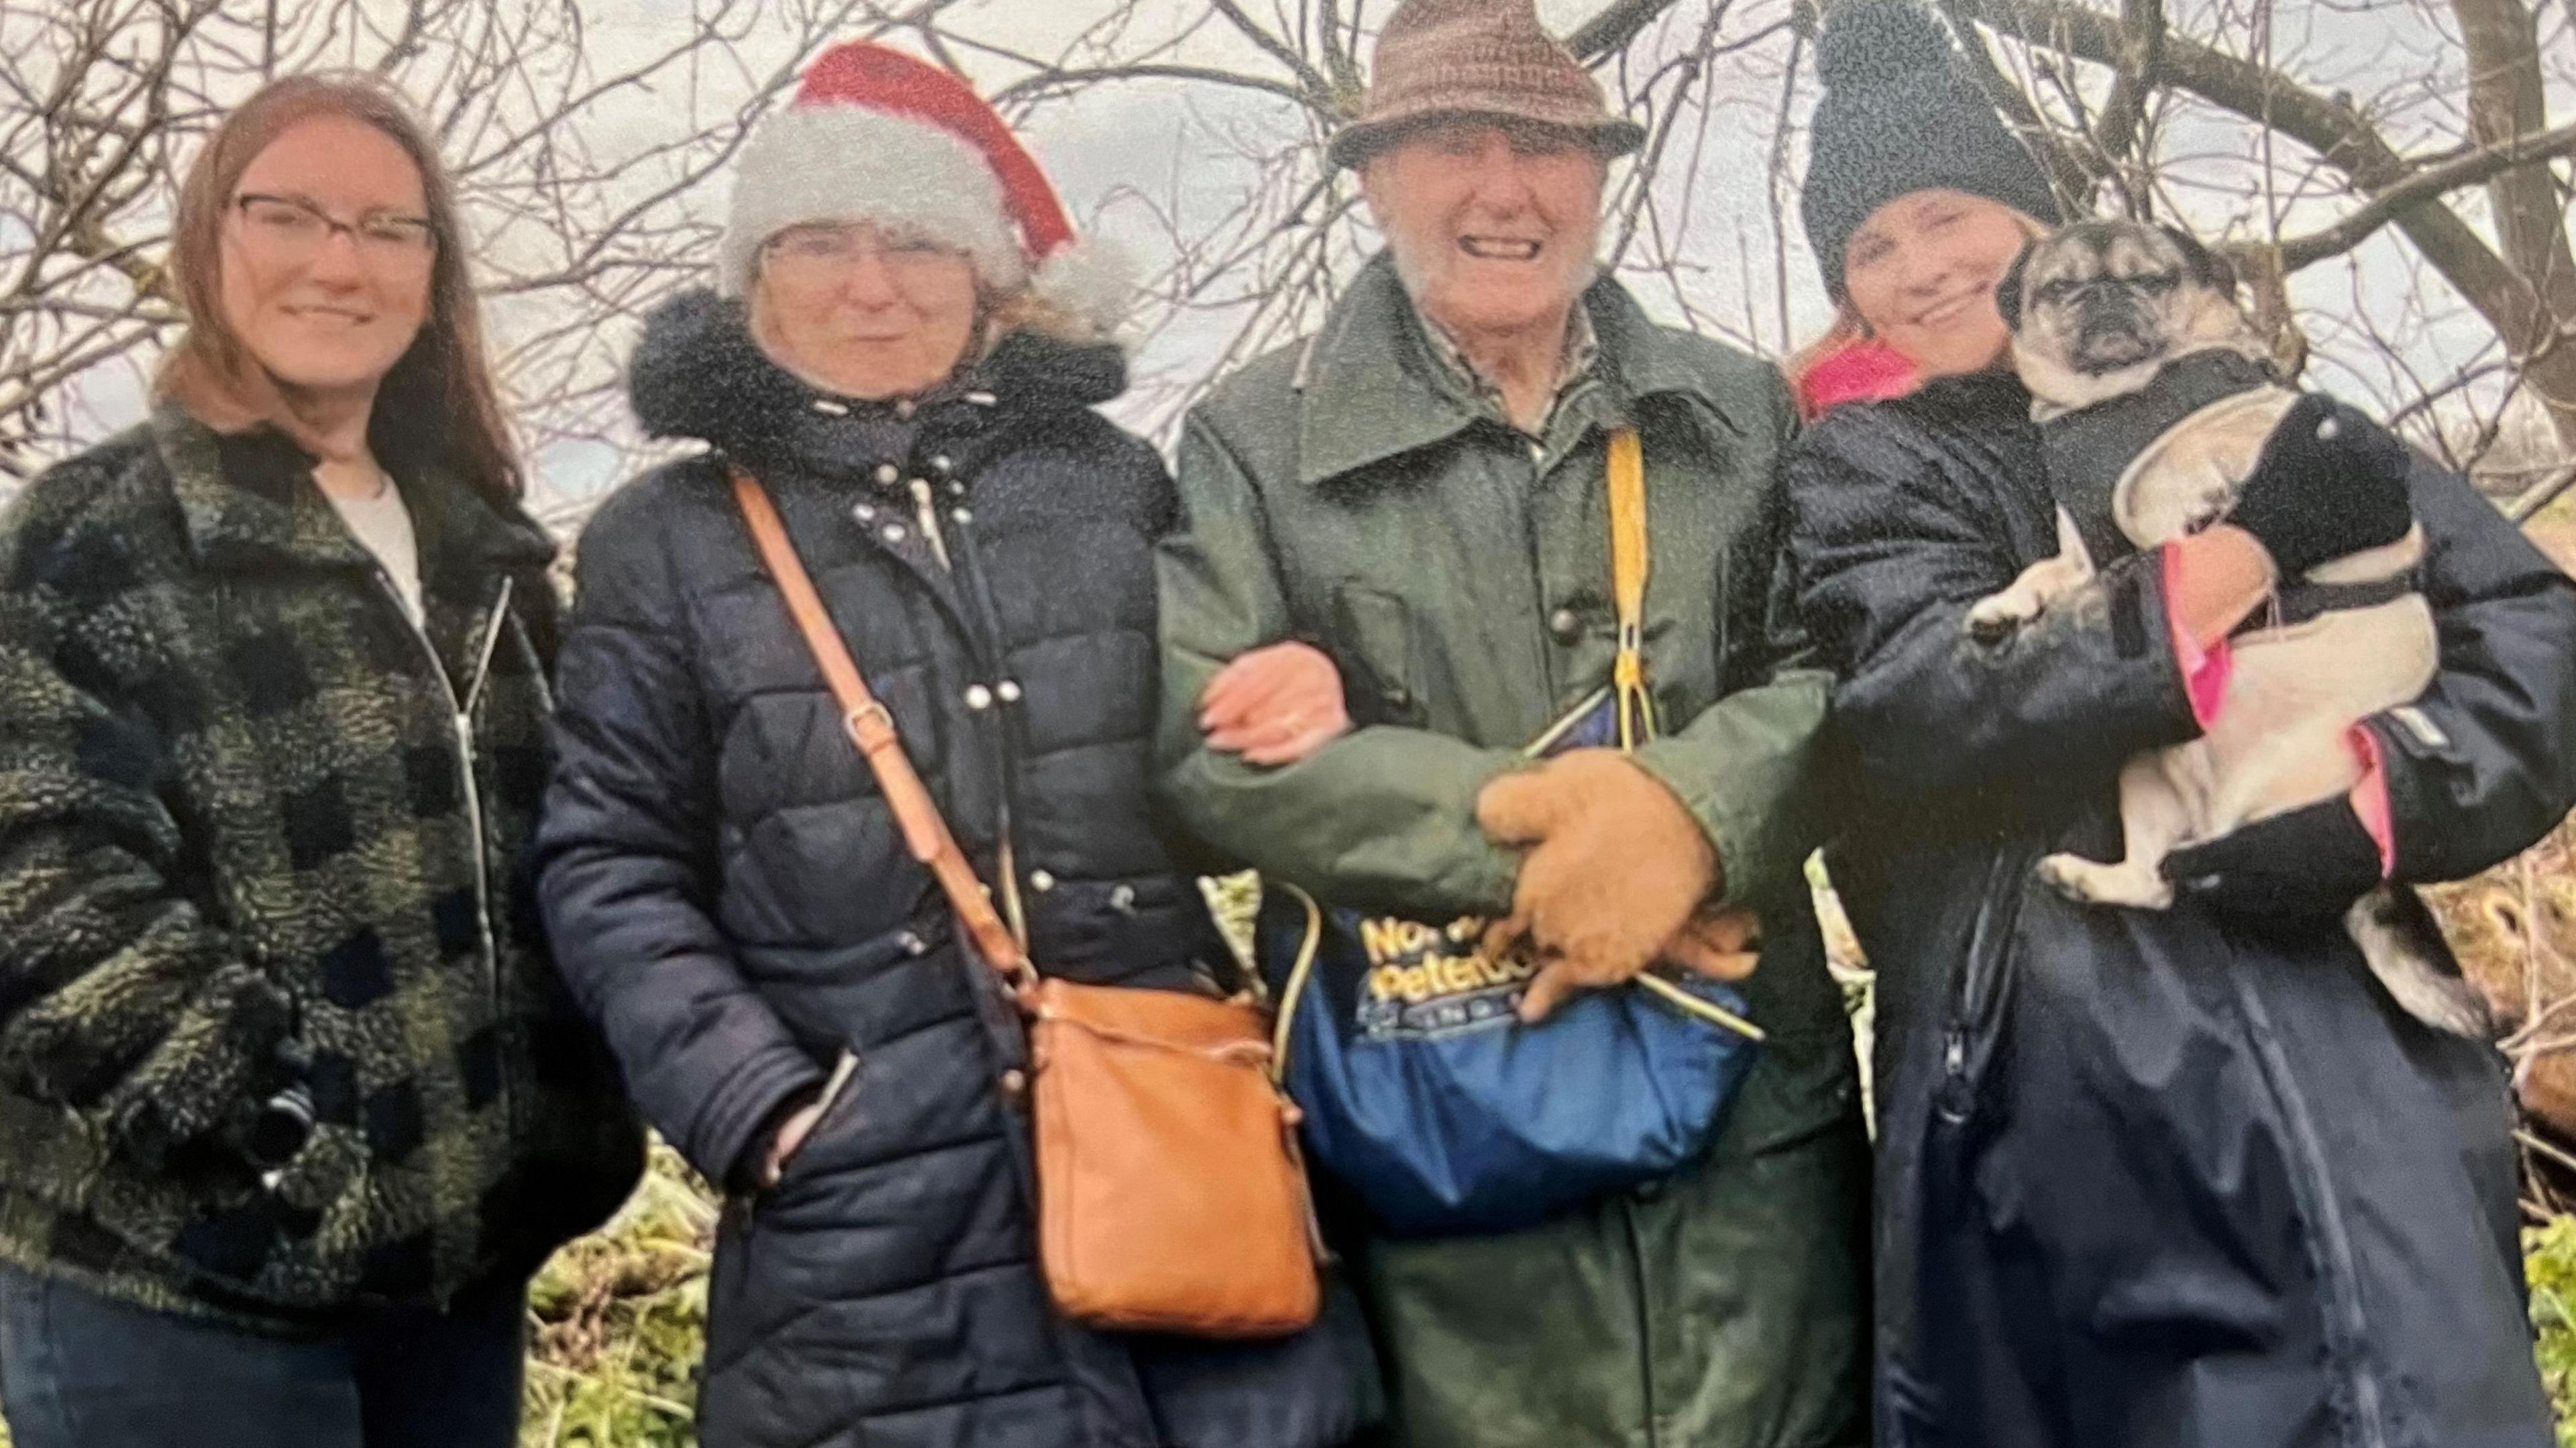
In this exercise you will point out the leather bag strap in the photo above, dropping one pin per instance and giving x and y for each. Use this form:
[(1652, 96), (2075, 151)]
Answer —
[(871, 727)]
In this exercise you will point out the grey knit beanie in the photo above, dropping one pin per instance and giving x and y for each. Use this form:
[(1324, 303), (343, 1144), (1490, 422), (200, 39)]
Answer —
[(1900, 114)]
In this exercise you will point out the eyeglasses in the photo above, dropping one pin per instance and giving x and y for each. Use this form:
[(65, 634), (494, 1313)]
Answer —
[(292, 228), (823, 253)]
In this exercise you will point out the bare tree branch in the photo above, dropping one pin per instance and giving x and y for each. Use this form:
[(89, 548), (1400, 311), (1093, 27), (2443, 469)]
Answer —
[(2429, 184), (2133, 85), (1049, 84), (1319, 92), (2337, 131), (1610, 32)]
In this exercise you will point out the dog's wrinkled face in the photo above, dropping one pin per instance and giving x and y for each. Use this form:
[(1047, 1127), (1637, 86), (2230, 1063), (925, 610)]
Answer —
[(2102, 296)]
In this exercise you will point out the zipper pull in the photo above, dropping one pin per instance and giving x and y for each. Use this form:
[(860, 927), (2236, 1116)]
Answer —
[(927, 511)]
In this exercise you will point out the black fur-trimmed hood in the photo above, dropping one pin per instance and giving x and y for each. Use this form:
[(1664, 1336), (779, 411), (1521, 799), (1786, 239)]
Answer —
[(698, 374)]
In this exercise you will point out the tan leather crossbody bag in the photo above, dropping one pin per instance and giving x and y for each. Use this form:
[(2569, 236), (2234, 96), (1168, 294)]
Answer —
[(1171, 1196)]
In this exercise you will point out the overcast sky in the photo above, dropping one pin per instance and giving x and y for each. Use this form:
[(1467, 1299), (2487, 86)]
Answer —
[(1183, 144), (1144, 134)]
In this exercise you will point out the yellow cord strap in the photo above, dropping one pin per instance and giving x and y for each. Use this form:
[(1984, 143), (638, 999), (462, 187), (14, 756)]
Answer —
[(1293, 993), (1709, 1011), (1628, 569)]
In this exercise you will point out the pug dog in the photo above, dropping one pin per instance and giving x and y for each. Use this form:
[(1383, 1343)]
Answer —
[(2154, 399)]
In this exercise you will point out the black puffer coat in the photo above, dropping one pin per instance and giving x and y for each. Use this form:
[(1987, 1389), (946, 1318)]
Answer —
[(734, 906), (2158, 1178)]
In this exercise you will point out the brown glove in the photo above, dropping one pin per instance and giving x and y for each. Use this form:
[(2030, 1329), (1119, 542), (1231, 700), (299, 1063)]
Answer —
[(1615, 868), (1720, 944)]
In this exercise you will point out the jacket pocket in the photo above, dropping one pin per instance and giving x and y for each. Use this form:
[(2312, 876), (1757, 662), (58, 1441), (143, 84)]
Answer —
[(1973, 1024), (1373, 643), (840, 1088), (1908, 1407)]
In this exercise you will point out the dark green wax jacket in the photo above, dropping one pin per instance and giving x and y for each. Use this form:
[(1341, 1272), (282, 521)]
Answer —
[(1353, 491)]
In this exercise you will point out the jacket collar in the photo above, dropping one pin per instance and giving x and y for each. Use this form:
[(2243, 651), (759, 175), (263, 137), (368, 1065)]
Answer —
[(698, 374), (248, 501), (1373, 388)]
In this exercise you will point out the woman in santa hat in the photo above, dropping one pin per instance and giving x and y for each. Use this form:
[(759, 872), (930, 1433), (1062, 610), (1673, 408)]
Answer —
[(904, 346)]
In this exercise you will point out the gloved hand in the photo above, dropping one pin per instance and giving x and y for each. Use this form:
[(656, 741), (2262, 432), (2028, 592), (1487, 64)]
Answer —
[(2330, 481), (1614, 868), (1720, 944), (2312, 861)]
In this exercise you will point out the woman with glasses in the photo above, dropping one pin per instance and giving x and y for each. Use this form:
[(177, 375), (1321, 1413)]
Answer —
[(291, 1101), (903, 350)]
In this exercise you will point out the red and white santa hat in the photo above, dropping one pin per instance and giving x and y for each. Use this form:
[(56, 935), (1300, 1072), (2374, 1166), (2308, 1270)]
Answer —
[(877, 135)]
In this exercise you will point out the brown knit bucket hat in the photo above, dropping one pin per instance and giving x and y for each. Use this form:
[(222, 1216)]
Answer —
[(1476, 58)]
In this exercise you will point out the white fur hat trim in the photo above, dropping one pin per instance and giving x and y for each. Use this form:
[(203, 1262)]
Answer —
[(824, 161), (1094, 279)]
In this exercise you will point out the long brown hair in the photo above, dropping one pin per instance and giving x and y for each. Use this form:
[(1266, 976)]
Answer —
[(437, 405)]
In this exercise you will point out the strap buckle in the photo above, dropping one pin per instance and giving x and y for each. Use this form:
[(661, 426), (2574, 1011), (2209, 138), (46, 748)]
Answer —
[(855, 722)]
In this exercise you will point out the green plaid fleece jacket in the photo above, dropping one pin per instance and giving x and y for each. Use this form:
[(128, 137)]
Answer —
[(258, 831)]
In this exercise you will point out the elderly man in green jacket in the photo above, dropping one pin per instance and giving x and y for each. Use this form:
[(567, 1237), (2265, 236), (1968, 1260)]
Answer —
[(1417, 490)]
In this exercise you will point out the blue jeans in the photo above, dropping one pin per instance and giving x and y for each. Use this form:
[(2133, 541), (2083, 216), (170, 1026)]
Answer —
[(78, 1370)]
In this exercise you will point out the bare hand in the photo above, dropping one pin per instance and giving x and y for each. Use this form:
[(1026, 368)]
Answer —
[(791, 1135), (1274, 705)]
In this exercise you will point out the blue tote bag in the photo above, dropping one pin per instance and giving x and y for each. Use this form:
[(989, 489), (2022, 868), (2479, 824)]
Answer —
[(1401, 1042)]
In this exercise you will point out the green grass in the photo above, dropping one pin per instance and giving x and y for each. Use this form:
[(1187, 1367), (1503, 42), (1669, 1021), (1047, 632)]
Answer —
[(2549, 1254), (617, 1319)]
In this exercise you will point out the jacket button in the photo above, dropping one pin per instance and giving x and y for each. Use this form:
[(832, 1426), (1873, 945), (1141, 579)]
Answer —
[(1008, 691), (914, 944), (1015, 1083), (942, 466), (1566, 624), (864, 512), (978, 697), (1123, 899), (888, 473), (1041, 881), (891, 532), (956, 490), (963, 517), (904, 407)]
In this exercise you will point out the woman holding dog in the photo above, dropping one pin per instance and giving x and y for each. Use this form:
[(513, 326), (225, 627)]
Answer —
[(2147, 1178)]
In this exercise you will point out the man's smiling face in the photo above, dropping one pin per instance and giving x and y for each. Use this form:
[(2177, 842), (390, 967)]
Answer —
[(1492, 223)]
